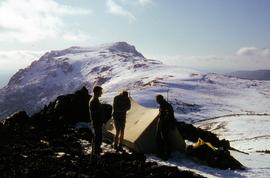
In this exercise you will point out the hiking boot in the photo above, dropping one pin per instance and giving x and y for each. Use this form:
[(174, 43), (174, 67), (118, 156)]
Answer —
[(120, 148), (115, 146)]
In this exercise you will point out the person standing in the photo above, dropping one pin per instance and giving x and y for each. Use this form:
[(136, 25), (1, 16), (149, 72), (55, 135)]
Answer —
[(121, 104), (166, 123), (97, 118)]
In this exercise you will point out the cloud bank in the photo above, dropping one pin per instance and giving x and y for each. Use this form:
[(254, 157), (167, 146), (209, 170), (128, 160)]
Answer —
[(253, 51), (246, 58), (28, 21)]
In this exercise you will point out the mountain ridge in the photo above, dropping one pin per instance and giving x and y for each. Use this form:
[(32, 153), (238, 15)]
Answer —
[(251, 74), (117, 66), (64, 71)]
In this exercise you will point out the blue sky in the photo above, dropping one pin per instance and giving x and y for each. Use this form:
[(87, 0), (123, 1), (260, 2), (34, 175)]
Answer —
[(194, 33)]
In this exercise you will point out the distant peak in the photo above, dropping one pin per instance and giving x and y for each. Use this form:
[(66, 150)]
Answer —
[(122, 46)]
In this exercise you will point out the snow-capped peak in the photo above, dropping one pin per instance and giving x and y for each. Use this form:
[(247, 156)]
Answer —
[(118, 66), (63, 71), (123, 47)]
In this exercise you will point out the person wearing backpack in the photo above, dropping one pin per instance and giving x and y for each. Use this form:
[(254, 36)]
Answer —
[(121, 104)]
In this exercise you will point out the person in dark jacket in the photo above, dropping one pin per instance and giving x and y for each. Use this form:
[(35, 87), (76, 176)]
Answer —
[(121, 104), (97, 118), (166, 123)]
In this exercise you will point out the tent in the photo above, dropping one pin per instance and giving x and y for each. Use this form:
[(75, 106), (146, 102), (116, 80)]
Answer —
[(141, 124)]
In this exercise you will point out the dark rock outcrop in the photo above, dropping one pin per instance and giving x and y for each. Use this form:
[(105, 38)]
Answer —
[(47, 145), (17, 119), (192, 133), (218, 158), (214, 158)]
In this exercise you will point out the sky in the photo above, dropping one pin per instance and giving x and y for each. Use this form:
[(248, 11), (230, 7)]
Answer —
[(208, 35)]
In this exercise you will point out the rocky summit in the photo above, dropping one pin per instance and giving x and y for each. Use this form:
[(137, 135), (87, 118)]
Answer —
[(47, 145)]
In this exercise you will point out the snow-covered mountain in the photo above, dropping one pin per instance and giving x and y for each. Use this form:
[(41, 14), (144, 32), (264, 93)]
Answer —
[(217, 101), (119, 66), (252, 75), (61, 72)]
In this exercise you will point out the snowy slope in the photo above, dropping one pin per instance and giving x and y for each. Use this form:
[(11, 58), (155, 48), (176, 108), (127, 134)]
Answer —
[(195, 96), (119, 66), (198, 97), (61, 72), (248, 133)]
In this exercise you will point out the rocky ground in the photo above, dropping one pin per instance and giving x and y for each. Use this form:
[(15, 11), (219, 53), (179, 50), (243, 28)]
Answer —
[(47, 145)]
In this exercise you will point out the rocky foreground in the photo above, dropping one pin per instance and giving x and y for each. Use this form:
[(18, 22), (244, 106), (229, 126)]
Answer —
[(47, 145)]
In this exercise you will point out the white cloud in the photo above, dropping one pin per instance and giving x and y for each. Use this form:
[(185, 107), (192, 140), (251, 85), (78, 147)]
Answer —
[(116, 9), (253, 51), (33, 20), (246, 58)]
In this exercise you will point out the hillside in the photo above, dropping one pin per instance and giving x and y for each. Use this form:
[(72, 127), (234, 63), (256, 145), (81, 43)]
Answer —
[(196, 98), (117, 66)]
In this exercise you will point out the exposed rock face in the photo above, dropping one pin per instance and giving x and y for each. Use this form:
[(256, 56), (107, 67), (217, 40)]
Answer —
[(47, 145)]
